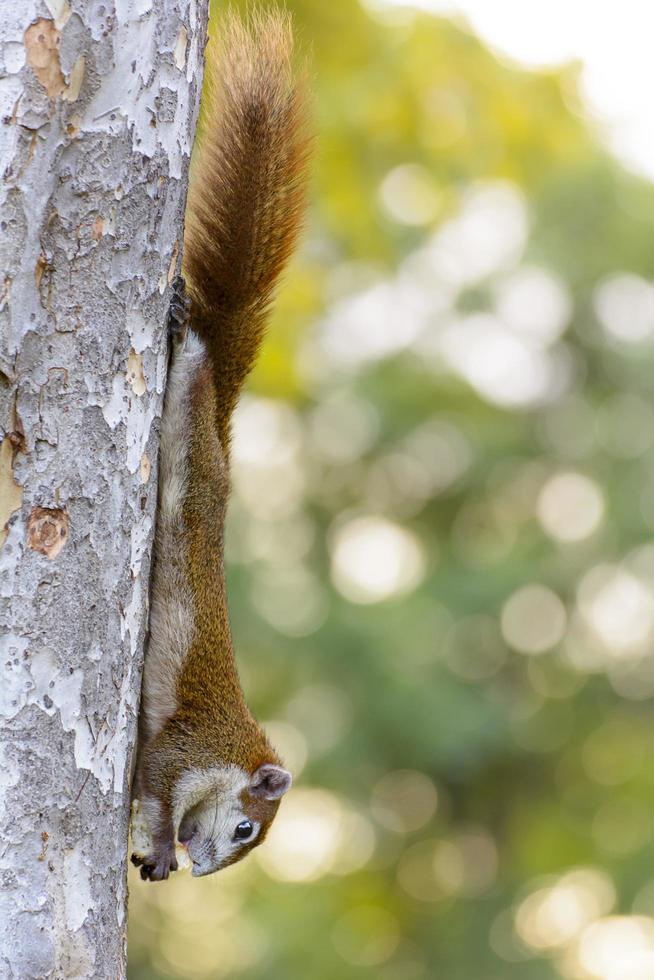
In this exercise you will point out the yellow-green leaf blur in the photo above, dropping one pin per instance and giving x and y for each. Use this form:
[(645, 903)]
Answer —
[(441, 539)]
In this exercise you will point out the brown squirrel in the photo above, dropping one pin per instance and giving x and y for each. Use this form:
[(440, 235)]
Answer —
[(206, 775)]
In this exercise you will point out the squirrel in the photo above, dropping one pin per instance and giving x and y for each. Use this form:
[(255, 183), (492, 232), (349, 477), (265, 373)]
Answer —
[(206, 775)]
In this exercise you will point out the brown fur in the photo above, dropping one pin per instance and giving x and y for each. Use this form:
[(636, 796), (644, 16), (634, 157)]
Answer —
[(245, 204), (247, 195), (225, 730)]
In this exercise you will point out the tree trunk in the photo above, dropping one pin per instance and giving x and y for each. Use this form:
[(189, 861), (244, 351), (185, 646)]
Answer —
[(99, 102)]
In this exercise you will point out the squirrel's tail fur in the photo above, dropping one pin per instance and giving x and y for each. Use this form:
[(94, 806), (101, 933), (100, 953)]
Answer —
[(247, 194)]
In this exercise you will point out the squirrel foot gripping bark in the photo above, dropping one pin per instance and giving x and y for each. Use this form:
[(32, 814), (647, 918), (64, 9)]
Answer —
[(157, 866), (206, 775), (179, 311)]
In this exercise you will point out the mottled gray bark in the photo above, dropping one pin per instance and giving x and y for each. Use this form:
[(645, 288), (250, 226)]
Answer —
[(98, 107)]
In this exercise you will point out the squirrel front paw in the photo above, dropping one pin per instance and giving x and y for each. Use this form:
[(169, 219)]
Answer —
[(158, 865)]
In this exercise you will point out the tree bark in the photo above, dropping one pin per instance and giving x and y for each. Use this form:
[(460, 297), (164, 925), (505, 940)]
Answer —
[(99, 102)]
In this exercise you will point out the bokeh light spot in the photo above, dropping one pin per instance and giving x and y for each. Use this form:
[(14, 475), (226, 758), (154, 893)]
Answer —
[(624, 305), (533, 619), (304, 838), (620, 947), (570, 506), (408, 194), (323, 713), (555, 914), (289, 742), (404, 801), (374, 559), (487, 236), (534, 302), (619, 608)]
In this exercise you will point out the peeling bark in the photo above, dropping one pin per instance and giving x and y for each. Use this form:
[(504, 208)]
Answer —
[(98, 109)]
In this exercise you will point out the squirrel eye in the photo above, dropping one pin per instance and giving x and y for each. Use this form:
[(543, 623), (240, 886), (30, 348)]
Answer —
[(243, 830)]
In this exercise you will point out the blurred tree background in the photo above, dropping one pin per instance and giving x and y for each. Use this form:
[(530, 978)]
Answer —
[(440, 543)]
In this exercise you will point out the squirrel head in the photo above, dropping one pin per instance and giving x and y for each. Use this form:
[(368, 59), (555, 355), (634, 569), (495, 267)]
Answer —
[(223, 812)]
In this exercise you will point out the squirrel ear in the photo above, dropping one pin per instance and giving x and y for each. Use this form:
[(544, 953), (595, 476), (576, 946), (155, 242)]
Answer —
[(270, 782)]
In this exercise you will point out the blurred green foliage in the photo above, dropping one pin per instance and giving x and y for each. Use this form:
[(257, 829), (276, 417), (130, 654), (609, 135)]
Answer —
[(441, 581)]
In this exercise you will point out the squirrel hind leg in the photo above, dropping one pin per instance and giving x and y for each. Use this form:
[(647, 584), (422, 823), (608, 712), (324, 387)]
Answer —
[(179, 312)]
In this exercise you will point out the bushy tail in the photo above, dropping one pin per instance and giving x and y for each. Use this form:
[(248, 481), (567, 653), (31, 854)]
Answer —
[(247, 194)]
